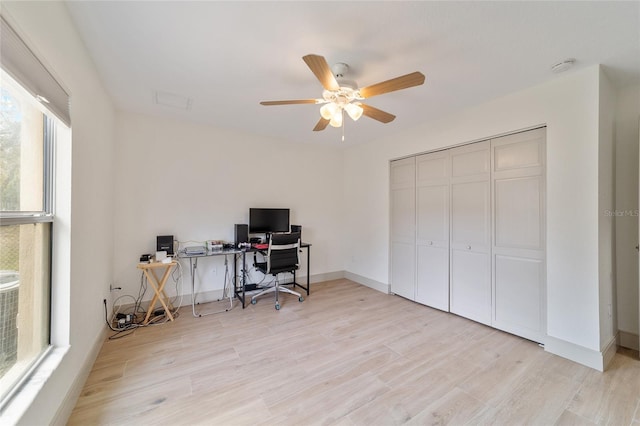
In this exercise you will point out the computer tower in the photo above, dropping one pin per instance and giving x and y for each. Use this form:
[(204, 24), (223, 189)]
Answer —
[(165, 243), (297, 228), (241, 233)]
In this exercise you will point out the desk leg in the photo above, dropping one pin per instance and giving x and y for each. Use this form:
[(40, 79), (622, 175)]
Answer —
[(243, 283), (244, 280), (308, 268), (295, 278), (238, 285), (193, 265)]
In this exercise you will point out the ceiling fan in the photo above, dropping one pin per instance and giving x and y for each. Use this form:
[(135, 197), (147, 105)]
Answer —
[(341, 95)]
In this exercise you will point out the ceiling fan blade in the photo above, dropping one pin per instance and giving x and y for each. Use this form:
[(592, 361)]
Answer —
[(322, 71), (398, 83), (321, 125), (291, 102), (377, 114)]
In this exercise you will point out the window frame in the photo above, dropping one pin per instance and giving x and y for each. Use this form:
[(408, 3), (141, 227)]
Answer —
[(46, 215)]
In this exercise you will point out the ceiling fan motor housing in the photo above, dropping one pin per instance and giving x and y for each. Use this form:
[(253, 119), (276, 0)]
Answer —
[(340, 71)]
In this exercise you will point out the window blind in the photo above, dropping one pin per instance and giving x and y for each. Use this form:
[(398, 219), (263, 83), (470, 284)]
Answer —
[(19, 61)]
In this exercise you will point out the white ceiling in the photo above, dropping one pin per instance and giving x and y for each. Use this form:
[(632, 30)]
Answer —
[(228, 56)]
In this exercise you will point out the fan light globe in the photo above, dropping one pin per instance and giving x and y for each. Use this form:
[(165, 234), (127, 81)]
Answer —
[(327, 111), (336, 120), (354, 111)]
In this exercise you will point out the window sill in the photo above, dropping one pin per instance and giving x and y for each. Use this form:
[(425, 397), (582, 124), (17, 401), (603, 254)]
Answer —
[(14, 408)]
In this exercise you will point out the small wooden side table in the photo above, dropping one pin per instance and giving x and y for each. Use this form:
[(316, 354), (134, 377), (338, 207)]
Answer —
[(149, 270)]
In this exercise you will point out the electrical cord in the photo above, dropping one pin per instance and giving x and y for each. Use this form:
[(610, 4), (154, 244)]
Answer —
[(129, 328), (176, 275), (137, 308)]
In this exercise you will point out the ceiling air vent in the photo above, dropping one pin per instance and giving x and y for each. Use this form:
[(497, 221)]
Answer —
[(172, 100)]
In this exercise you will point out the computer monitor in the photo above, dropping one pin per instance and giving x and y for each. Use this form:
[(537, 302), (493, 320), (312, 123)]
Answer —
[(268, 220)]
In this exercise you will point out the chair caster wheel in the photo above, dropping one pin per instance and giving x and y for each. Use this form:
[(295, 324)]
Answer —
[(277, 306), (254, 301), (300, 299)]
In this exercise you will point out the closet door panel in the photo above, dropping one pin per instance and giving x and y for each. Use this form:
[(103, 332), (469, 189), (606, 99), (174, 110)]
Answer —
[(432, 287), (471, 285), (403, 270), (403, 228), (470, 243), (470, 211), (432, 168), (518, 290), (518, 191), (433, 214), (403, 215), (470, 160), (518, 214), (432, 238)]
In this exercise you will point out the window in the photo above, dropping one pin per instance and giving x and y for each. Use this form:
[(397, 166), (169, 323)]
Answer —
[(27, 135)]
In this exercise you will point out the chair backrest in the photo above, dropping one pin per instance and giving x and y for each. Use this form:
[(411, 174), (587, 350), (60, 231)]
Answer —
[(283, 252)]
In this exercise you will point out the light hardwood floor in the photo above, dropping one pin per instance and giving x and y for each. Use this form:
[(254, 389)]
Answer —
[(347, 355)]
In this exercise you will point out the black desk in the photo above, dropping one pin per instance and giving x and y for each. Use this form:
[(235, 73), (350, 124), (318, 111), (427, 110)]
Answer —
[(241, 289)]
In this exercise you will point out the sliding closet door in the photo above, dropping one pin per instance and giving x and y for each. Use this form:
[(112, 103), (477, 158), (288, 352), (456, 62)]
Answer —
[(432, 236), (403, 227), (470, 285), (519, 305)]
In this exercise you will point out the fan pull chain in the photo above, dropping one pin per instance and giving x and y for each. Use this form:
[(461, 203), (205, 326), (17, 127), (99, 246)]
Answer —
[(343, 124)]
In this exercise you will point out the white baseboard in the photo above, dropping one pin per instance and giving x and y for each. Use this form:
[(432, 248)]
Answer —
[(327, 276), (608, 353), (376, 285), (66, 408), (593, 359), (628, 340)]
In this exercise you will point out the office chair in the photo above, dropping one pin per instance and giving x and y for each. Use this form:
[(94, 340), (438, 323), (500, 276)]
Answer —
[(282, 256)]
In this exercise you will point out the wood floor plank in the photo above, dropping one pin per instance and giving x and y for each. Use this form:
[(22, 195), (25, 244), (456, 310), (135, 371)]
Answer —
[(454, 407), (610, 398), (348, 355)]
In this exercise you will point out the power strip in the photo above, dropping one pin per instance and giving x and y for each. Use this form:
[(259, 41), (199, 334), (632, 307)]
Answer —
[(124, 320)]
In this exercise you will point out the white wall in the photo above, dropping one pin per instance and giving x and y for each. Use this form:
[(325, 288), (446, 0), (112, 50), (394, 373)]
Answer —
[(195, 182), (88, 222), (568, 106), (626, 220)]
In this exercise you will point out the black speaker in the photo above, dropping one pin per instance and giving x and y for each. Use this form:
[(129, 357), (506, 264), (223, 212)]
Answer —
[(297, 228), (241, 233), (165, 243)]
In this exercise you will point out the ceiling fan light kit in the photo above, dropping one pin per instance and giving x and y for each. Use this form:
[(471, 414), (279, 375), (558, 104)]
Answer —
[(338, 101), (341, 94)]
